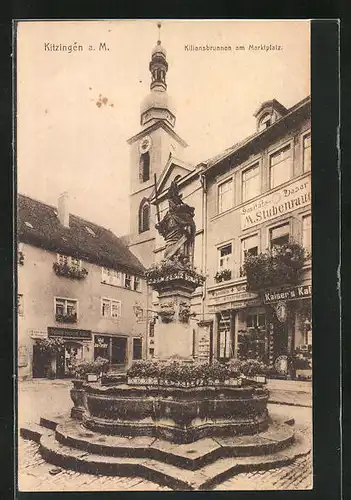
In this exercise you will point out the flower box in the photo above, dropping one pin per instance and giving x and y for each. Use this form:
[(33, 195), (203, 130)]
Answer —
[(233, 382), (260, 379), (304, 374)]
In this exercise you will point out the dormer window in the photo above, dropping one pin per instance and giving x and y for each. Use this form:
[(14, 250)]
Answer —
[(265, 122), (268, 113)]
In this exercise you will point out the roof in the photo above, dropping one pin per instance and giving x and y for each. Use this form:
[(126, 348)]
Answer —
[(214, 160), (83, 239)]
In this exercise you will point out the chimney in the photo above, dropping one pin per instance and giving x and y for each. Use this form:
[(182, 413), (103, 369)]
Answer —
[(63, 212)]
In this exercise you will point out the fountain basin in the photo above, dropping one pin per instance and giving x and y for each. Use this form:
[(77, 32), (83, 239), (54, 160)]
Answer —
[(180, 415)]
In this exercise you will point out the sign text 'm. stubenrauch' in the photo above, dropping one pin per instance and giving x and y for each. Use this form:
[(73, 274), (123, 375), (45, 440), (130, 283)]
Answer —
[(291, 197)]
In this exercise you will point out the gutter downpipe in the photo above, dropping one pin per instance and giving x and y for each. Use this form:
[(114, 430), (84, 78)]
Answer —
[(204, 244)]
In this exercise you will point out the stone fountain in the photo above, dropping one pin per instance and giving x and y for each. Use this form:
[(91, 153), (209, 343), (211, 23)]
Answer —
[(185, 437)]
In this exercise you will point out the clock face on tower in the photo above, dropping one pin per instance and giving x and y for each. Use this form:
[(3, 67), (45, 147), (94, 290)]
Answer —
[(145, 144)]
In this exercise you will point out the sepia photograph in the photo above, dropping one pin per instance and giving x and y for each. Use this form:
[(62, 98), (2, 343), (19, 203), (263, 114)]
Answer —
[(164, 255)]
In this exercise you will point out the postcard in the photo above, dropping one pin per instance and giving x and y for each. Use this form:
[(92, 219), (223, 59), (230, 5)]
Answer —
[(164, 257)]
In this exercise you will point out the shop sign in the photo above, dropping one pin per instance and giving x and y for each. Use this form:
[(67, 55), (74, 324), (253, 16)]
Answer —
[(292, 197), (281, 312), (281, 365), (235, 306), (38, 334), (293, 293), (234, 297), (69, 333), (100, 342)]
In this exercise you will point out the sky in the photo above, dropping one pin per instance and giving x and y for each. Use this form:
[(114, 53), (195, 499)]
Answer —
[(75, 111)]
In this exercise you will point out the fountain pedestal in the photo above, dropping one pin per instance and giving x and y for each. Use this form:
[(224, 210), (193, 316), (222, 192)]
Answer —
[(173, 332)]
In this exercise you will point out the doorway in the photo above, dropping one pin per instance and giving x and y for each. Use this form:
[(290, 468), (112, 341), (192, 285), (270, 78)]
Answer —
[(118, 352), (41, 363)]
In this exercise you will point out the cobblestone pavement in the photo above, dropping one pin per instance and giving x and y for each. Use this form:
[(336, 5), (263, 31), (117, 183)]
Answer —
[(52, 397)]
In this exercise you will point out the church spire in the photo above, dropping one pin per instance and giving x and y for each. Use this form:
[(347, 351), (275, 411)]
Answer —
[(158, 65)]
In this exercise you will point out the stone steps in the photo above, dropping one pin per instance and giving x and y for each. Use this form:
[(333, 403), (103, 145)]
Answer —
[(189, 456), (164, 473)]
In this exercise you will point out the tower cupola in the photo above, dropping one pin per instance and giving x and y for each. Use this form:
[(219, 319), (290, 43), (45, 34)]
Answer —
[(157, 104)]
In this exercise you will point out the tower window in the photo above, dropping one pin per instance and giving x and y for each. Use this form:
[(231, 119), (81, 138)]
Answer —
[(144, 216), (145, 167)]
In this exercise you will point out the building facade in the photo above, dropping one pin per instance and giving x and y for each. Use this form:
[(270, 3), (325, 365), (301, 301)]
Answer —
[(258, 199), (251, 198), (79, 283)]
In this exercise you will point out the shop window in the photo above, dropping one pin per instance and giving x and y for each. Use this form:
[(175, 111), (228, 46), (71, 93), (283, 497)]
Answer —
[(144, 167), (252, 340), (307, 153), (144, 216), (307, 233), (279, 235), (110, 308), (20, 305), (225, 196), (111, 277), (251, 182), (137, 349), (128, 281), (136, 283), (66, 309), (249, 246), (225, 336), (256, 320), (102, 347), (280, 166)]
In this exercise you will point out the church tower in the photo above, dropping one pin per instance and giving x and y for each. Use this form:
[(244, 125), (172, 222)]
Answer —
[(150, 150)]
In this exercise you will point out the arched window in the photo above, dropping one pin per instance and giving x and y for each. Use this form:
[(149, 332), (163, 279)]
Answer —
[(144, 216), (265, 121), (145, 167)]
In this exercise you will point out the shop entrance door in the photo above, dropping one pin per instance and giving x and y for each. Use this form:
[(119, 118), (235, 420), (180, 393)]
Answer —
[(280, 349), (60, 364), (41, 363), (118, 353)]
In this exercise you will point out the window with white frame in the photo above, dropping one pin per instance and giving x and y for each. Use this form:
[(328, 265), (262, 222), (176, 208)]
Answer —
[(307, 232), (128, 281), (66, 307), (65, 260), (307, 153), (251, 182), (20, 304), (136, 284), (280, 166), (279, 235), (225, 257), (111, 277), (110, 308), (249, 246), (225, 196)]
